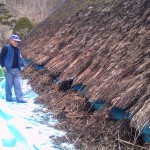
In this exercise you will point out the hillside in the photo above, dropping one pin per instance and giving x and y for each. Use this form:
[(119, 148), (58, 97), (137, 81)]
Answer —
[(104, 46), (11, 11), (36, 10)]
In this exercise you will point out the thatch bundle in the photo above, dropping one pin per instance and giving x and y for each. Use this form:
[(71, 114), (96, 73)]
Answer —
[(143, 114)]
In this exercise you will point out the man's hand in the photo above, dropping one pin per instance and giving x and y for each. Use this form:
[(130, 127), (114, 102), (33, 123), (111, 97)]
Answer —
[(5, 70)]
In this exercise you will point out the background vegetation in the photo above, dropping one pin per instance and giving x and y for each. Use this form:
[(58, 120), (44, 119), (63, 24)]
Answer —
[(23, 26)]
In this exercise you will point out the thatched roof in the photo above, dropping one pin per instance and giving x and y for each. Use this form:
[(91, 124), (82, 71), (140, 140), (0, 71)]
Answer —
[(106, 47)]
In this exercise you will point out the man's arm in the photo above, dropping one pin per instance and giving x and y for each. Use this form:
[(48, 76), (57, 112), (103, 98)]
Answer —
[(2, 56)]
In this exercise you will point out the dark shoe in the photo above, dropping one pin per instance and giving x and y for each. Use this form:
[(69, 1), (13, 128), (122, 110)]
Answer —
[(10, 100), (21, 101)]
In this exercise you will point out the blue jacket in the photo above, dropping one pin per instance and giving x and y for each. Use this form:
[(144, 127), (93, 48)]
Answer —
[(8, 60)]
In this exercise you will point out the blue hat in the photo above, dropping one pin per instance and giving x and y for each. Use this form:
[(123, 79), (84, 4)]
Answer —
[(15, 37)]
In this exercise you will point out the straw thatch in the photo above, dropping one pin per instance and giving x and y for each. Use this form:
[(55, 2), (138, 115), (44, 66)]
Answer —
[(103, 45)]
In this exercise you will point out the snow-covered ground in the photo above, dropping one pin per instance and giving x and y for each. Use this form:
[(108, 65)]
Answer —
[(24, 126)]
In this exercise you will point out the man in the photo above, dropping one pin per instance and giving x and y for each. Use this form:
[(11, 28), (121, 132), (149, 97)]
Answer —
[(10, 60)]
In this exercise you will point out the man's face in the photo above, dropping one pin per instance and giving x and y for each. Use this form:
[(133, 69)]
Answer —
[(14, 43)]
